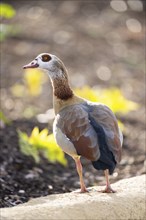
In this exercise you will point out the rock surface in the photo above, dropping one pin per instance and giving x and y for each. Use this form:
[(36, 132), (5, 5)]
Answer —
[(127, 203)]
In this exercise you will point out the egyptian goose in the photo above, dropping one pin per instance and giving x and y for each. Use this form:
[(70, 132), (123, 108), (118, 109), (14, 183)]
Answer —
[(81, 127)]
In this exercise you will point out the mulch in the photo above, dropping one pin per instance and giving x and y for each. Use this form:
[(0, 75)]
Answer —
[(22, 179)]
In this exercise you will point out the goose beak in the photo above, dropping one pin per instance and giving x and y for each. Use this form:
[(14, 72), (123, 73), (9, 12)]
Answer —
[(33, 64)]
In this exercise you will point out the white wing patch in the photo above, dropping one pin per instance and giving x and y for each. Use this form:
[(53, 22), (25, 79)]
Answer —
[(63, 141)]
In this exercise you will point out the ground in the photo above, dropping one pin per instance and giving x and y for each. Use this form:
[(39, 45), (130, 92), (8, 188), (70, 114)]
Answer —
[(85, 36)]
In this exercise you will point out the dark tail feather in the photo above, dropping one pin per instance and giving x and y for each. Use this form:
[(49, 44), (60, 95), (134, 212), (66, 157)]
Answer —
[(106, 160)]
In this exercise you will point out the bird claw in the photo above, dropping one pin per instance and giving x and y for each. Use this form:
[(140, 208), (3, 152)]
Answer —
[(108, 189), (84, 190)]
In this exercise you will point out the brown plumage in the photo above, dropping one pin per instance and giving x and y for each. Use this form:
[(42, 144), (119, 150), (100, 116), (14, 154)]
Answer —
[(61, 90), (75, 124), (81, 128)]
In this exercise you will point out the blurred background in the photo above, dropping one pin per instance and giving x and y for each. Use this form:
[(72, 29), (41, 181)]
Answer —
[(102, 44)]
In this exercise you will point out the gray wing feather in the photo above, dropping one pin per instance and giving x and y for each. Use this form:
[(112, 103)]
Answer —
[(105, 118), (74, 123)]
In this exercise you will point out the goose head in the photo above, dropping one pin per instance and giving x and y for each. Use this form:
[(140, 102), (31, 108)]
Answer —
[(49, 62)]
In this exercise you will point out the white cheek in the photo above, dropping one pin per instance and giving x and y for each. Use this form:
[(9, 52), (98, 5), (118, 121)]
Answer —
[(52, 70), (43, 65), (46, 65)]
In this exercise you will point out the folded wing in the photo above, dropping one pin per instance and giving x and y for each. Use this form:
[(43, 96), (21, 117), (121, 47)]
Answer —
[(104, 117), (74, 123)]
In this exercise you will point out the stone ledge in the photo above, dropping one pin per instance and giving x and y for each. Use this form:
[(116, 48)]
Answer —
[(127, 204)]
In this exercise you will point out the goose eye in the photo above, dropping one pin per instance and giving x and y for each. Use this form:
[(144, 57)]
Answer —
[(46, 58)]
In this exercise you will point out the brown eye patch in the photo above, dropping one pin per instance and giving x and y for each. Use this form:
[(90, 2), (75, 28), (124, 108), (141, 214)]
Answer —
[(46, 58)]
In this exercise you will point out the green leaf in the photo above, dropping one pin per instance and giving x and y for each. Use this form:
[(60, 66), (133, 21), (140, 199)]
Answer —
[(112, 97), (26, 148), (87, 93), (43, 134), (6, 11), (116, 101), (29, 112), (8, 30), (55, 153), (3, 118), (41, 142), (34, 79)]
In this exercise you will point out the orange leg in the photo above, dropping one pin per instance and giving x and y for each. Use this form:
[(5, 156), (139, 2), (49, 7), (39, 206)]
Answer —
[(79, 170), (108, 188)]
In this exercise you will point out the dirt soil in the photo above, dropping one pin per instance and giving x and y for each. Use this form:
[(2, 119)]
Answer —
[(86, 35)]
